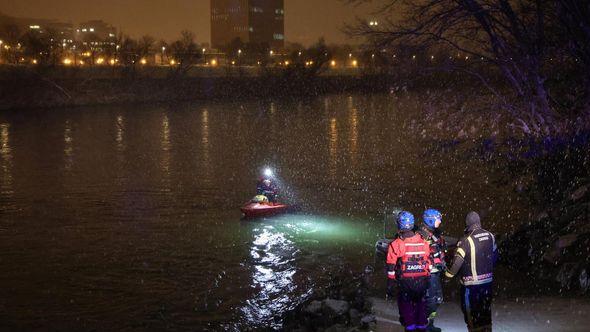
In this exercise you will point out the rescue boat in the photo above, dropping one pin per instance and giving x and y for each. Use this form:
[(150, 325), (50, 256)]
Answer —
[(263, 209)]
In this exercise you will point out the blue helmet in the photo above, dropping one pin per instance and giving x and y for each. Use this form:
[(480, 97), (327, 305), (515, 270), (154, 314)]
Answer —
[(405, 220), (430, 217)]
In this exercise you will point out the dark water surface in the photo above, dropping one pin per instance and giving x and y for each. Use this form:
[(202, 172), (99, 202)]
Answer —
[(128, 217)]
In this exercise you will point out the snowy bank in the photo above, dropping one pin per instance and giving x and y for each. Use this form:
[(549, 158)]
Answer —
[(554, 247)]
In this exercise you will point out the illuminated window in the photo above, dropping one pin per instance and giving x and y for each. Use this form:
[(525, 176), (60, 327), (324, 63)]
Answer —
[(278, 36)]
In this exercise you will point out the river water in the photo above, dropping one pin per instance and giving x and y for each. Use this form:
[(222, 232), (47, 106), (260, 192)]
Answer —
[(128, 217)]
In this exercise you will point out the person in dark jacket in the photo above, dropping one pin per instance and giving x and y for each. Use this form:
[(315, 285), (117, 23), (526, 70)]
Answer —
[(430, 231), (474, 262), (408, 266), (266, 187)]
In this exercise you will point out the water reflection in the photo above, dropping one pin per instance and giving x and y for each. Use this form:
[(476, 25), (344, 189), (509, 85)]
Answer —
[(68, 146), (6, 155), (120, 129), (333, 147), (120, 149), (272, 255), (165, 145), (353, 136), (206, 147), (273, 125)]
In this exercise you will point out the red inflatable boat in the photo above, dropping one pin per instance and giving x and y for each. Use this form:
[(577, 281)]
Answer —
[(259, 210)]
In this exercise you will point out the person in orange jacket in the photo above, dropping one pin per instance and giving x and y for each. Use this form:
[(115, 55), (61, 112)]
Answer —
[(408, 267)]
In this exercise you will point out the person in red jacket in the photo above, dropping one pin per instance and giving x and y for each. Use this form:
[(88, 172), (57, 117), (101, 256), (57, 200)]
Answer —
[(408, 267)]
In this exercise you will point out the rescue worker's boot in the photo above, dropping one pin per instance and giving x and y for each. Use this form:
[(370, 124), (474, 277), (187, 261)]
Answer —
[(431, 327)]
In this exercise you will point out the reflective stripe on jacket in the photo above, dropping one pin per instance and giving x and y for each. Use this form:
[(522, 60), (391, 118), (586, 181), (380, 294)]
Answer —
[(474, 258)]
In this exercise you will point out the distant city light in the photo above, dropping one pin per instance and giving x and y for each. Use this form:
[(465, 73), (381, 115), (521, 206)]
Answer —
[(34, 61), (204, 51), (271, 52), (233, 62), (99, 61), (355, 63), (67, 62), (143, 61), (373, 23), (172, 62), (214, 62), (112, 62), (35, 27), (333, 63), (286, 63)]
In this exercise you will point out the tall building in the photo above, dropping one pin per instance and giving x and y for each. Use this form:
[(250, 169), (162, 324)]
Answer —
[(253, 21), (97, 29), (64, 32), (97, 35)]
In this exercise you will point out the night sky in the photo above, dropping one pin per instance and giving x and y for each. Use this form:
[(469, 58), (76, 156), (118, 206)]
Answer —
[(305, 20)]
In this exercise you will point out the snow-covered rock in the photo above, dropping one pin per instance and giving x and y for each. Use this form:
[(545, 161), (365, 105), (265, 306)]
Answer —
[(335, 307)]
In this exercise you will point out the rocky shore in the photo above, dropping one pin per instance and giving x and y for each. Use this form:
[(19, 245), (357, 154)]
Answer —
[(342, 306), (554, 247)]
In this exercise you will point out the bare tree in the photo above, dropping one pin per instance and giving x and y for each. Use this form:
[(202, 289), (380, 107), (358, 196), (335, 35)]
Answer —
[(12, 35), (185, 51), (129, 54), (145, 46), (509, 35)]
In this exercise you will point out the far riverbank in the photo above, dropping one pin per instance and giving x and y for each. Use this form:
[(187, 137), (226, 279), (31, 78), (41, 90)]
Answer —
[(22, 87)]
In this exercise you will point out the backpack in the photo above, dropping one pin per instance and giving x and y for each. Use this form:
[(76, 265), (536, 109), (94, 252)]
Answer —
[(415, 262)]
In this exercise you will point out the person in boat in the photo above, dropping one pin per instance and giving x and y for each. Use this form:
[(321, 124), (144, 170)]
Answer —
[(474, 262), (408, 267), (431, 232), (267, 188)]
